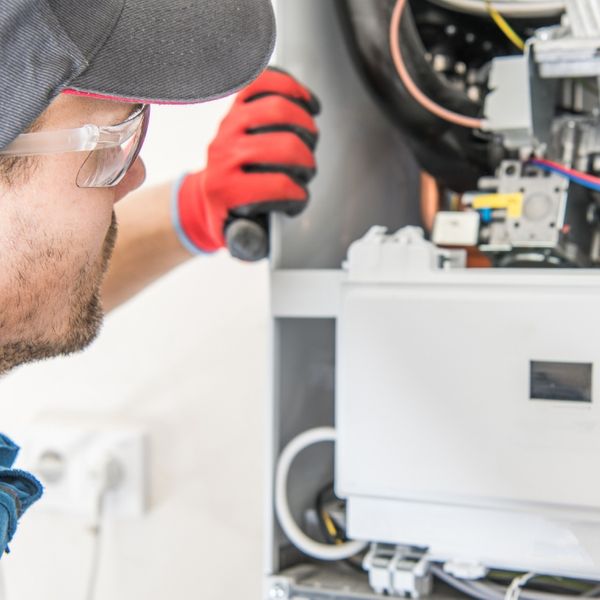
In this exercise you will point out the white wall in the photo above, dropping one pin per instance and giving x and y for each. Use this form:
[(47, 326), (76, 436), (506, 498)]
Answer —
[(186, 360)]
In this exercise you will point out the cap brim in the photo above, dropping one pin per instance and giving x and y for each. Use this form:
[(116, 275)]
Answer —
[(181, 51)]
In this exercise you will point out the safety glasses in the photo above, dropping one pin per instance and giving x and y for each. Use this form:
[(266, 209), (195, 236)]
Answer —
[(112, 149)]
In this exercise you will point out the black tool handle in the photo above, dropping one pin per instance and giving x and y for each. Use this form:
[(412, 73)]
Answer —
[(247, 239)]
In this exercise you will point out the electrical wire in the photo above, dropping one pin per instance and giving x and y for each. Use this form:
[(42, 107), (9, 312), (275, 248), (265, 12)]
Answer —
[(472, 589), (549, 583), (518, 583), (579, 177), (533, 8), (505, 27), (527, 594), (327, 525), (331, 531), (411, 87), (109, 474), (488, 591), (593, 593), (282, 508), (97, 543)]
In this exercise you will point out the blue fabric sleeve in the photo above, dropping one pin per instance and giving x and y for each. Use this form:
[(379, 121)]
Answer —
[(8, 520), (8, 451), (18, 491)]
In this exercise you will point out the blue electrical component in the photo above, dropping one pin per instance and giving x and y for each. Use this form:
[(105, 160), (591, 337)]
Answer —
[(486, 215)]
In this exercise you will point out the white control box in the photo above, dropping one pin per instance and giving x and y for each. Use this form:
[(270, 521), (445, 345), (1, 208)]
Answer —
[(468, 411)]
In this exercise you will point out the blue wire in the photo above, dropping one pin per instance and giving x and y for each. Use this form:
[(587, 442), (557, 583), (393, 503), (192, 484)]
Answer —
[(582, 182)]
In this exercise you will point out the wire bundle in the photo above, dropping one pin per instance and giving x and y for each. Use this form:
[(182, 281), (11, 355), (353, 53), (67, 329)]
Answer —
[(579, 177), (486, 590)]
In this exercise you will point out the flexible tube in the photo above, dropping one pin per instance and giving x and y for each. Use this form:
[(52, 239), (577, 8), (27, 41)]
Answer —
[(533, 8), (282, 508), (427, 103)]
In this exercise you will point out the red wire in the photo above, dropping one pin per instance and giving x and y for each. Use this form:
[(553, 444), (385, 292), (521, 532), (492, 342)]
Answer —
[(566, 170)]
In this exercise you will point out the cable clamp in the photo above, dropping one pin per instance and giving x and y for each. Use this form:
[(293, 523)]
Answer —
[(398, 570)]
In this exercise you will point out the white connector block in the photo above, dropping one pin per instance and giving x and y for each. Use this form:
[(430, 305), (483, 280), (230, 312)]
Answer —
[(72, 461)]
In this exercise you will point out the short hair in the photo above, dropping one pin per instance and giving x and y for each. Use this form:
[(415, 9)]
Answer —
[(15, 169)]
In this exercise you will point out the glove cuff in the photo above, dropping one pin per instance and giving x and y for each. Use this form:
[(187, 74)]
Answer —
[(187, 215)]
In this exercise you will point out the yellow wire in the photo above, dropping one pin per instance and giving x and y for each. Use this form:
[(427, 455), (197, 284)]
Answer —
[(330, 525), (503, 25)]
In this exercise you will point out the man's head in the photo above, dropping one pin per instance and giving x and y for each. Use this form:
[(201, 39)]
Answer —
[(55, 237), (56, 240)]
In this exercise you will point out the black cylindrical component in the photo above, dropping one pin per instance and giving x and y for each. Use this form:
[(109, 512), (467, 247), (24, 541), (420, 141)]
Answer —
[(247, 239)]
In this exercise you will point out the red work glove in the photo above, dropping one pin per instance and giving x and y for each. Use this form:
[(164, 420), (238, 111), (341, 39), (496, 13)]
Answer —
[(260, 161)]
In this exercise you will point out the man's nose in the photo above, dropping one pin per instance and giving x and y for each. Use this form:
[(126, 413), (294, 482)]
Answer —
[(134, 178)]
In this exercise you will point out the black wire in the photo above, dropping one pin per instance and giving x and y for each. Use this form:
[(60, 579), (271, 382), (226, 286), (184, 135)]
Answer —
[(550, 589), (319, 504), (322, 497), (557, 586)]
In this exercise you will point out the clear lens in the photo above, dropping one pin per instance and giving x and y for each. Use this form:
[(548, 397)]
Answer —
[(106, 167)]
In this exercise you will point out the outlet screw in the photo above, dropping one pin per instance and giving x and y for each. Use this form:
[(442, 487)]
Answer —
[(51, 466)]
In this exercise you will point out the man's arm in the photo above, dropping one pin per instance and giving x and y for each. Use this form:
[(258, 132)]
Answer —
[(147, 245), (261, 160)]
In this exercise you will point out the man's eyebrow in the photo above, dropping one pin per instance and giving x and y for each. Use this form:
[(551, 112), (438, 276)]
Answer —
[(135, 108)]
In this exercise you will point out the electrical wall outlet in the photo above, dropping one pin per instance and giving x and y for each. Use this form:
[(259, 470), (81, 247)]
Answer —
[(75, 462)]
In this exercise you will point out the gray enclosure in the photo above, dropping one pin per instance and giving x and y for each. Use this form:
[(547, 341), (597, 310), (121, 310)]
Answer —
[(367, 177)]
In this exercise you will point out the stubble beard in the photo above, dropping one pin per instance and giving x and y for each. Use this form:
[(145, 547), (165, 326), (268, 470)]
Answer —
[(86, 315)]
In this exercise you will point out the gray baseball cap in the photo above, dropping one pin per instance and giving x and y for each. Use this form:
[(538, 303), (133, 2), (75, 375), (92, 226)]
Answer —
[(151, 51)]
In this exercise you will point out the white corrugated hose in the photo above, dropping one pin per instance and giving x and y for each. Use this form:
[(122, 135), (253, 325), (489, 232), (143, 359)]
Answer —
[(282, 508)]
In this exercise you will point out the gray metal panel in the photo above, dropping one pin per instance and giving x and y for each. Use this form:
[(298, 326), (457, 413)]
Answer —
[(303, 398), (366, 173), (301, 293), (366, 176)]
